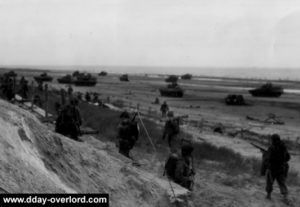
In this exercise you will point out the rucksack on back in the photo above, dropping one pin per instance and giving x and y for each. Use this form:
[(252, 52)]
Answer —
[(170, 165)]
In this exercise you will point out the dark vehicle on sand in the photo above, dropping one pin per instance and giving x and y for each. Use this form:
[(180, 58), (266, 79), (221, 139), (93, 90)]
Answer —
[(103, 73), (233, 99), (84, 79), (67, 79), (186, 77), (267, 90), (124, 78), (172, 90), (44, 77)]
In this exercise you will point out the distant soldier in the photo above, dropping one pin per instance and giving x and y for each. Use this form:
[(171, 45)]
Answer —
[(180, 168), (24, 89), (70, 90), (87, 97), (164, 109), (171, 128), (9, 90), (69, 120), (128, 132), (277, 166), (95, 98)]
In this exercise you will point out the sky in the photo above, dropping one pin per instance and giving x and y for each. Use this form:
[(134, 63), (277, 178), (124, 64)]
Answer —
[(181, 33)]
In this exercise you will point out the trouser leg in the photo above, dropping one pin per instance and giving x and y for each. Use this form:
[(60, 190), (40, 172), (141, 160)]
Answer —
[(269, 181), (281, 182)]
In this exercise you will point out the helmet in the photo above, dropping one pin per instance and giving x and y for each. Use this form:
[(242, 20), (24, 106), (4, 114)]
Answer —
[(125, 115)]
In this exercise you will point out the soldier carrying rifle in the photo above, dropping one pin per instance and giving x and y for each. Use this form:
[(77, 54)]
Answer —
[(275, 165)]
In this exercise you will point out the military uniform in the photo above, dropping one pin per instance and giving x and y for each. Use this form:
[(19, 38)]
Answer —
[(69, 121), (171, 129), (127, 134), (164, 109), (184, 172), (277, 166)]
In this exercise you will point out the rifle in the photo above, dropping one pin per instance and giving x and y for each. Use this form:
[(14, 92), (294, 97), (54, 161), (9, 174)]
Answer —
[(259, 147), (133, 118)]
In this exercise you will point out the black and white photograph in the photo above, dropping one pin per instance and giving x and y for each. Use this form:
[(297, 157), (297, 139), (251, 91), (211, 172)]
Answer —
[(151, 103)]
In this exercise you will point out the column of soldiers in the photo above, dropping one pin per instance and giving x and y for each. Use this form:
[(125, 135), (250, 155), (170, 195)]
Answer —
[(178, 167)]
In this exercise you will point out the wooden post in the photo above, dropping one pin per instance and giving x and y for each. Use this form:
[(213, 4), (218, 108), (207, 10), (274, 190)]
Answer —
[(46, 101), (138, 106), (149, 110)]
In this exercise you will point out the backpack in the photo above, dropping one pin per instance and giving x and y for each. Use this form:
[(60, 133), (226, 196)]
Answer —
[(170, 165)]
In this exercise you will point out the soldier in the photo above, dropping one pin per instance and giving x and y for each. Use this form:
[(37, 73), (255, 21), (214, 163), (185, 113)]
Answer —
[(171, 128), (87, 97), (70, 90), (24, 89), (10, 94), (277, 166), (127, 134), (164, 109), (180, 168), (69, 121)]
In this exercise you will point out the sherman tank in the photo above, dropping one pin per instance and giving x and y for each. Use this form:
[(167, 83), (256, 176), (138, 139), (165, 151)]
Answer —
[(67, 79), (85, 80), (267, 90), (44, 77), (172, 90), (124, 77)]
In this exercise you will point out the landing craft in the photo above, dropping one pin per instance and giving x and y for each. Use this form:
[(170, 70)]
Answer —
[(44, 77), (267, 90)]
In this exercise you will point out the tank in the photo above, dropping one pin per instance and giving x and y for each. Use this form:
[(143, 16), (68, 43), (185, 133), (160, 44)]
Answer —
[(67, 79), (172, 90), (124, 77), (267, 90), (44, 77), (85, 80)]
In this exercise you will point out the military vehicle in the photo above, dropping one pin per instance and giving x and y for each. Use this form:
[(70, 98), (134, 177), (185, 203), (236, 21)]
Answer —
[(103, 73), (124, 77), (172, 90), (85, 79), (172, 79), (186, 77), (267, 90), (233, 99), (67, 79), (44, 77)]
